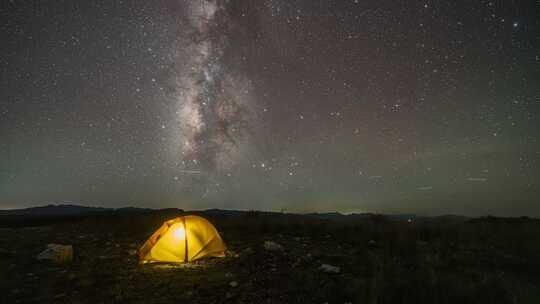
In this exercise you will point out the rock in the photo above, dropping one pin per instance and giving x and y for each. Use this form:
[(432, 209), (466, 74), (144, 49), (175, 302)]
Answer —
[(132, 252), (233, 284), (247, 251), (272, 246), (329, 268), (57, 253), (60, 295), (303, 260)]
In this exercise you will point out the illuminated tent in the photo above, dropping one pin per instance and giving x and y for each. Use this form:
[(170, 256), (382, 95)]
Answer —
[(183, 239)]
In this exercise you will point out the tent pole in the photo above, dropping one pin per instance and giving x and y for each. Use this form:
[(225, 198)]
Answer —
[(185, 240)]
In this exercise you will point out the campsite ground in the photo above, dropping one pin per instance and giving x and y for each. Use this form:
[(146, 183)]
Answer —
[(442, 260)]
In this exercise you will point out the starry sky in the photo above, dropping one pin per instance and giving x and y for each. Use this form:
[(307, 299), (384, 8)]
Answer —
[(427, 107)]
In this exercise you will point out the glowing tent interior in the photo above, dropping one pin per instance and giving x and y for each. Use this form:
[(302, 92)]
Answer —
[(183, 239)]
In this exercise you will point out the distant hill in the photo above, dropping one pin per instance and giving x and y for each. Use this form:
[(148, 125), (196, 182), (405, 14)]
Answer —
[(62, 210), (44, 215), (326, 216), (340, 217), (66, 211)]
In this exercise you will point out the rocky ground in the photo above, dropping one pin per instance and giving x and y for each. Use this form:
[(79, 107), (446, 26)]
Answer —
[(278, 260)]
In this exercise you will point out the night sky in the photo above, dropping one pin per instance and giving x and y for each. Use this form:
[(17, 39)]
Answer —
[(427, 107)]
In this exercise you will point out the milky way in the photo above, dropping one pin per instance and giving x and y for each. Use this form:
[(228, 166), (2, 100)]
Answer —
[(214, 102)]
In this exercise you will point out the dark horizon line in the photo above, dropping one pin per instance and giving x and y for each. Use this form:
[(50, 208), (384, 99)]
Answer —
[(284, 211)]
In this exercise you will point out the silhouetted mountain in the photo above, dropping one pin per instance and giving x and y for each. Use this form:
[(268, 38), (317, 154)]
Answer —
[(499, 220), (131, 210), (452, 217), (44, 215), (339, 217), (327, 216), (237, 213), (66, 210), (55, 210)]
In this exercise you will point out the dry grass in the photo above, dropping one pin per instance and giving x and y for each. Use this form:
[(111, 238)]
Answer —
[(381, 261)]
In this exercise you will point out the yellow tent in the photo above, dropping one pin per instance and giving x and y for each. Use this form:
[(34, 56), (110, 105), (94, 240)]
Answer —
[(185, 238)]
